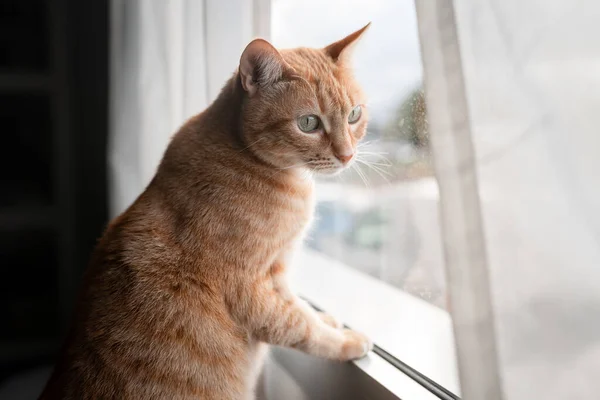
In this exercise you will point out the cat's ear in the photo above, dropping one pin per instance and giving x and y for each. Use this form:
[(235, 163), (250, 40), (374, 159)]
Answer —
[(341, 50), (261, 65)]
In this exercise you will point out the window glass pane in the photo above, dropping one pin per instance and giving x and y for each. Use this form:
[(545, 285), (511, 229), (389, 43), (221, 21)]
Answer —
[(381, 217)]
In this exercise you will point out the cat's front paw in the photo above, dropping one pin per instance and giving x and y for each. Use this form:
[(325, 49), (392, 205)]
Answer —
[(330, 320), (356, 345)]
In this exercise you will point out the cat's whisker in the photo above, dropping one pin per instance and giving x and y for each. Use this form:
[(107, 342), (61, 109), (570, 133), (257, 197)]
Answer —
[(382, 176), (356, 170), (365, 175), (359, 172), (368, 155), (363, 144), (381, 164), (375, 166), (375, 153), (252, 144), (367, 143), (380, 171)]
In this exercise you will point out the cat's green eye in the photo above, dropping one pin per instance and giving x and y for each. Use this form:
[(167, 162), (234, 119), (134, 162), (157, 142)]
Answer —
[(309, 123), (355, 115)]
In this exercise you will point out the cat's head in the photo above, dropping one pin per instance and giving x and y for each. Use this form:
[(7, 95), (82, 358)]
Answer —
[(303, 107)]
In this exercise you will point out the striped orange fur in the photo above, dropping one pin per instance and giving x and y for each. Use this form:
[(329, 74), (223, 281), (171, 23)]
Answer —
[(187, 286)]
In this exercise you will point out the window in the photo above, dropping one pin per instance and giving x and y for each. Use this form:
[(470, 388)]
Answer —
[(379, 221)]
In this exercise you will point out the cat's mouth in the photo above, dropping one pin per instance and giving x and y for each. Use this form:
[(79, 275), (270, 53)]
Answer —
[(328, 168)]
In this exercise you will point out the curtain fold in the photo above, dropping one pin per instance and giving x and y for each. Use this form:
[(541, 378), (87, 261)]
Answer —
[(460, 209), (169, 60)]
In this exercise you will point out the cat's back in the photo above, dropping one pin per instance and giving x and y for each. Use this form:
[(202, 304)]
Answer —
[(142, 318)]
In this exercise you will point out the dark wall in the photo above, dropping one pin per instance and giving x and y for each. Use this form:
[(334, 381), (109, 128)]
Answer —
[(53, 187)]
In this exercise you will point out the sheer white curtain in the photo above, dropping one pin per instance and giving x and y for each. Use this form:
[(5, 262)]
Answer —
[(169, 61), (513, 92)]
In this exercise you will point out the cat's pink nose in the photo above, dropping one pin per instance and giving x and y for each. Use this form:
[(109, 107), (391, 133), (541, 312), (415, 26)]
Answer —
[(345, 158)]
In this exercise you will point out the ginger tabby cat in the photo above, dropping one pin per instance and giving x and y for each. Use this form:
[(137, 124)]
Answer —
[(187, 286)]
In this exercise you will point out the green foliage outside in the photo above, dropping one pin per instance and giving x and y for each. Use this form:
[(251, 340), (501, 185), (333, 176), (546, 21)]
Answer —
[(410, 121)]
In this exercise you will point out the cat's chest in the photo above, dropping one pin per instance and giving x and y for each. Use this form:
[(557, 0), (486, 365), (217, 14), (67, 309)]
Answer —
[(287, 211), (293, 210)]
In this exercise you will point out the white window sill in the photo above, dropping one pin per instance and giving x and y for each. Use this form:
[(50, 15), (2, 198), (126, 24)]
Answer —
[(292, 375), (412, 330)]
